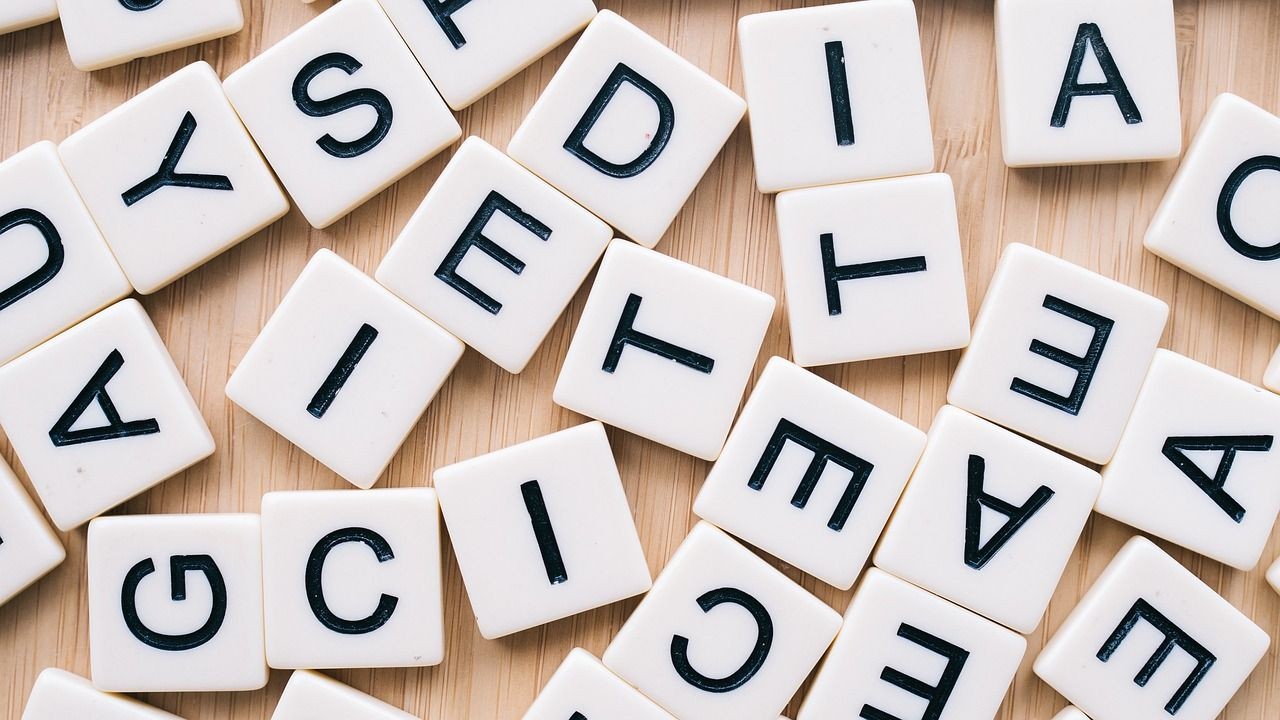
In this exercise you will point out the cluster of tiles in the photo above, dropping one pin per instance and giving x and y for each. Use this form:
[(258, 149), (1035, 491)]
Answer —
[(968, 529)]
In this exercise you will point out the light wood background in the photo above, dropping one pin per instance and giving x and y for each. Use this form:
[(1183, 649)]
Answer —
[(1093, 216)]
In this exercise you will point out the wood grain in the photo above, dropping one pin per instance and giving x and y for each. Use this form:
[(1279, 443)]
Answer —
[(1093, 216)]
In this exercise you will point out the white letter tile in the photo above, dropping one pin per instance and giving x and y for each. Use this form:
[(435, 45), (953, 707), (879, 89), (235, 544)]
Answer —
[(312, 696), (584, 688), (101, 34), (1273, 575), (22, 14), (1070, 713), (60, 695), (28, 547), (1272, 378)]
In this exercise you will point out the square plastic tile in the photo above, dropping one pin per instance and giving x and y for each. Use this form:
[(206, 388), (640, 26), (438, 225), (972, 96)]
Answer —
[(810, 473), (312, 696), (1216, 219), (99, 414), (903, 651), (1058, 353), (59, 695), (627, 128), (1273, 575), (545, 521), (989, 520), (836, 93), (873, 270), (584, 688), (1087, 81), (172, 178), (57, 268), (352, 579), (1272, 378), (20, 14), (722, 634), (494, 254), (664, 349), (175, 603), (469, 49), (1150, 640), (28, 547), (100, 34), (341, 109), (343, 369), (1070, 713), (1204, 443)]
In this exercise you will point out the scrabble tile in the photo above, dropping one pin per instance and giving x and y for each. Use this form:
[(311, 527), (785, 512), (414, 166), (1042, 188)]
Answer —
[(1272, 378), (101, 34), (58, 269), (1058, 353), (1204, 443), (903, 651), (494, 254), (352, 579), (1150, 640), (810, 473), (99, 414), (470, 49), (312, 696), (1216, 219), (836, 93), (21, 14), (722, 634), (172, 178), (28, 547), (664, 349), (60, 695), (873, 269), (1273, 575), (341, 110), (627, 128), (989, 520), (1087, 81), (343, 369), (584, 688), (546, 521), (1070, 713), (175, 603)]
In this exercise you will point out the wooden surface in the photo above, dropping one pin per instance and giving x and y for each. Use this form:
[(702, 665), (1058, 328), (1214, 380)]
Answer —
[(1094, 216)]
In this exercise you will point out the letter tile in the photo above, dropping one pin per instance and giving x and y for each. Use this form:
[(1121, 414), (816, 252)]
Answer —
[(1070, 713), (1273, 575), (21, 14), (60, 695), (810, 473), (470, 49), (341, 110), (1197, 464), (1272, 378), (175, 603), (722, 634), (1058, 353), (312, 696), (28, 547), (1087, 81), (99, 414), (101, 34), (62, 270), (172, 178), (836, 93), (664, 349), (352, 579), (494, 254), (873, 269), (903, 651), (1150, 640), (584, 689), (989, 520), (343, 369), (627, 128), (545, 521), (1216, 219)]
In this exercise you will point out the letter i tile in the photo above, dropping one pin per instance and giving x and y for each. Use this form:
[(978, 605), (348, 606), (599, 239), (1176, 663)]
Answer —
[(1150, 640)]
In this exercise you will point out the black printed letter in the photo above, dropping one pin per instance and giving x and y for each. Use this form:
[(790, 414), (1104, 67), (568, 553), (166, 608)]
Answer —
[(341, 372), (61, 433), (576, 144), (52, 264), (626, 334), (473, 236), (754, 661), (936, 695), (835, 274), (1084, 365), (977, 555), (823, 452), (168, 175), (139, 5), (442, 11), (1214, 486), (178, 567), (315, 586), (838, 79), (544, 532), (1228, 197), (1174, 636), (342, 101), (1090, 36)]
